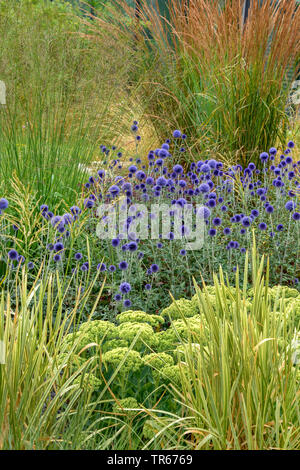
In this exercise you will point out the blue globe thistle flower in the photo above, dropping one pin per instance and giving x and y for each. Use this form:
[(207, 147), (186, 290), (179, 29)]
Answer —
[(211, 203), (272, 151), (255, 213), (269, 209), (134, 128), (296, 216), (114, 190), (112, 268), (154, 268), (21, 259), (212, 232), (161, 181), (127, 303), (115, 242), (3, 203), (30, 265), (50, 247), (204, 188), (101, 267), (205, 168), (57, 258), (58, 247), (140, 255), (78, 256), (183, 252), (264, 156), (279, 227), (246, 221), (75, 210), (226, 231), (125, 287), (262, 226), (176, 134), (44, 208), (123, 265), (148, 287), (290, 205), (132, 246), (159, 245), (117, 297), (217, 221), (291, 144), (243, 250), (224, 208), (13, 255)]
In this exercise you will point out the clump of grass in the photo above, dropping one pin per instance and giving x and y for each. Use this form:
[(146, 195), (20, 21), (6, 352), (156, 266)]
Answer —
[(65, 96), (239, 390), (212, 76)]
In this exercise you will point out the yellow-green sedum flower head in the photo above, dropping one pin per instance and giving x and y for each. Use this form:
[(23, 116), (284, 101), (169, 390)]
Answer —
[(129, 331), (131, 360), (181, 308), (138, 316)]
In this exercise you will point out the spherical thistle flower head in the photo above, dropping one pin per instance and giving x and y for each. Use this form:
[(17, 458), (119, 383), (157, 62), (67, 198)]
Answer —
[(13, 255), (224, 208), (255, 213), (251, 166), (44, 208), (279, 228), (30, 265), (217, 221), (57, 257), (132, 246), (226, 231), (205, 168), (296, 216), (15, 227), (118, 297), (204, 188), (212, 232), (101, 267), (115, 242), (269, 209), (264, 156), (290, 205), (58, 247), (159, 245), (154, 268), (291, 144), (123, 265), (78, 256), (148, 287), (246, 221), (211, 203), (88, 203), (114, 190), (3, 203), (262, 226), (75, 210), (176, 134), (21, 259), (134, 128), (161, 181), (127, 303), (112, 268), (125, 287), (288, 160), (272, 151), (243, 250), (170, 236), (182, 252)]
